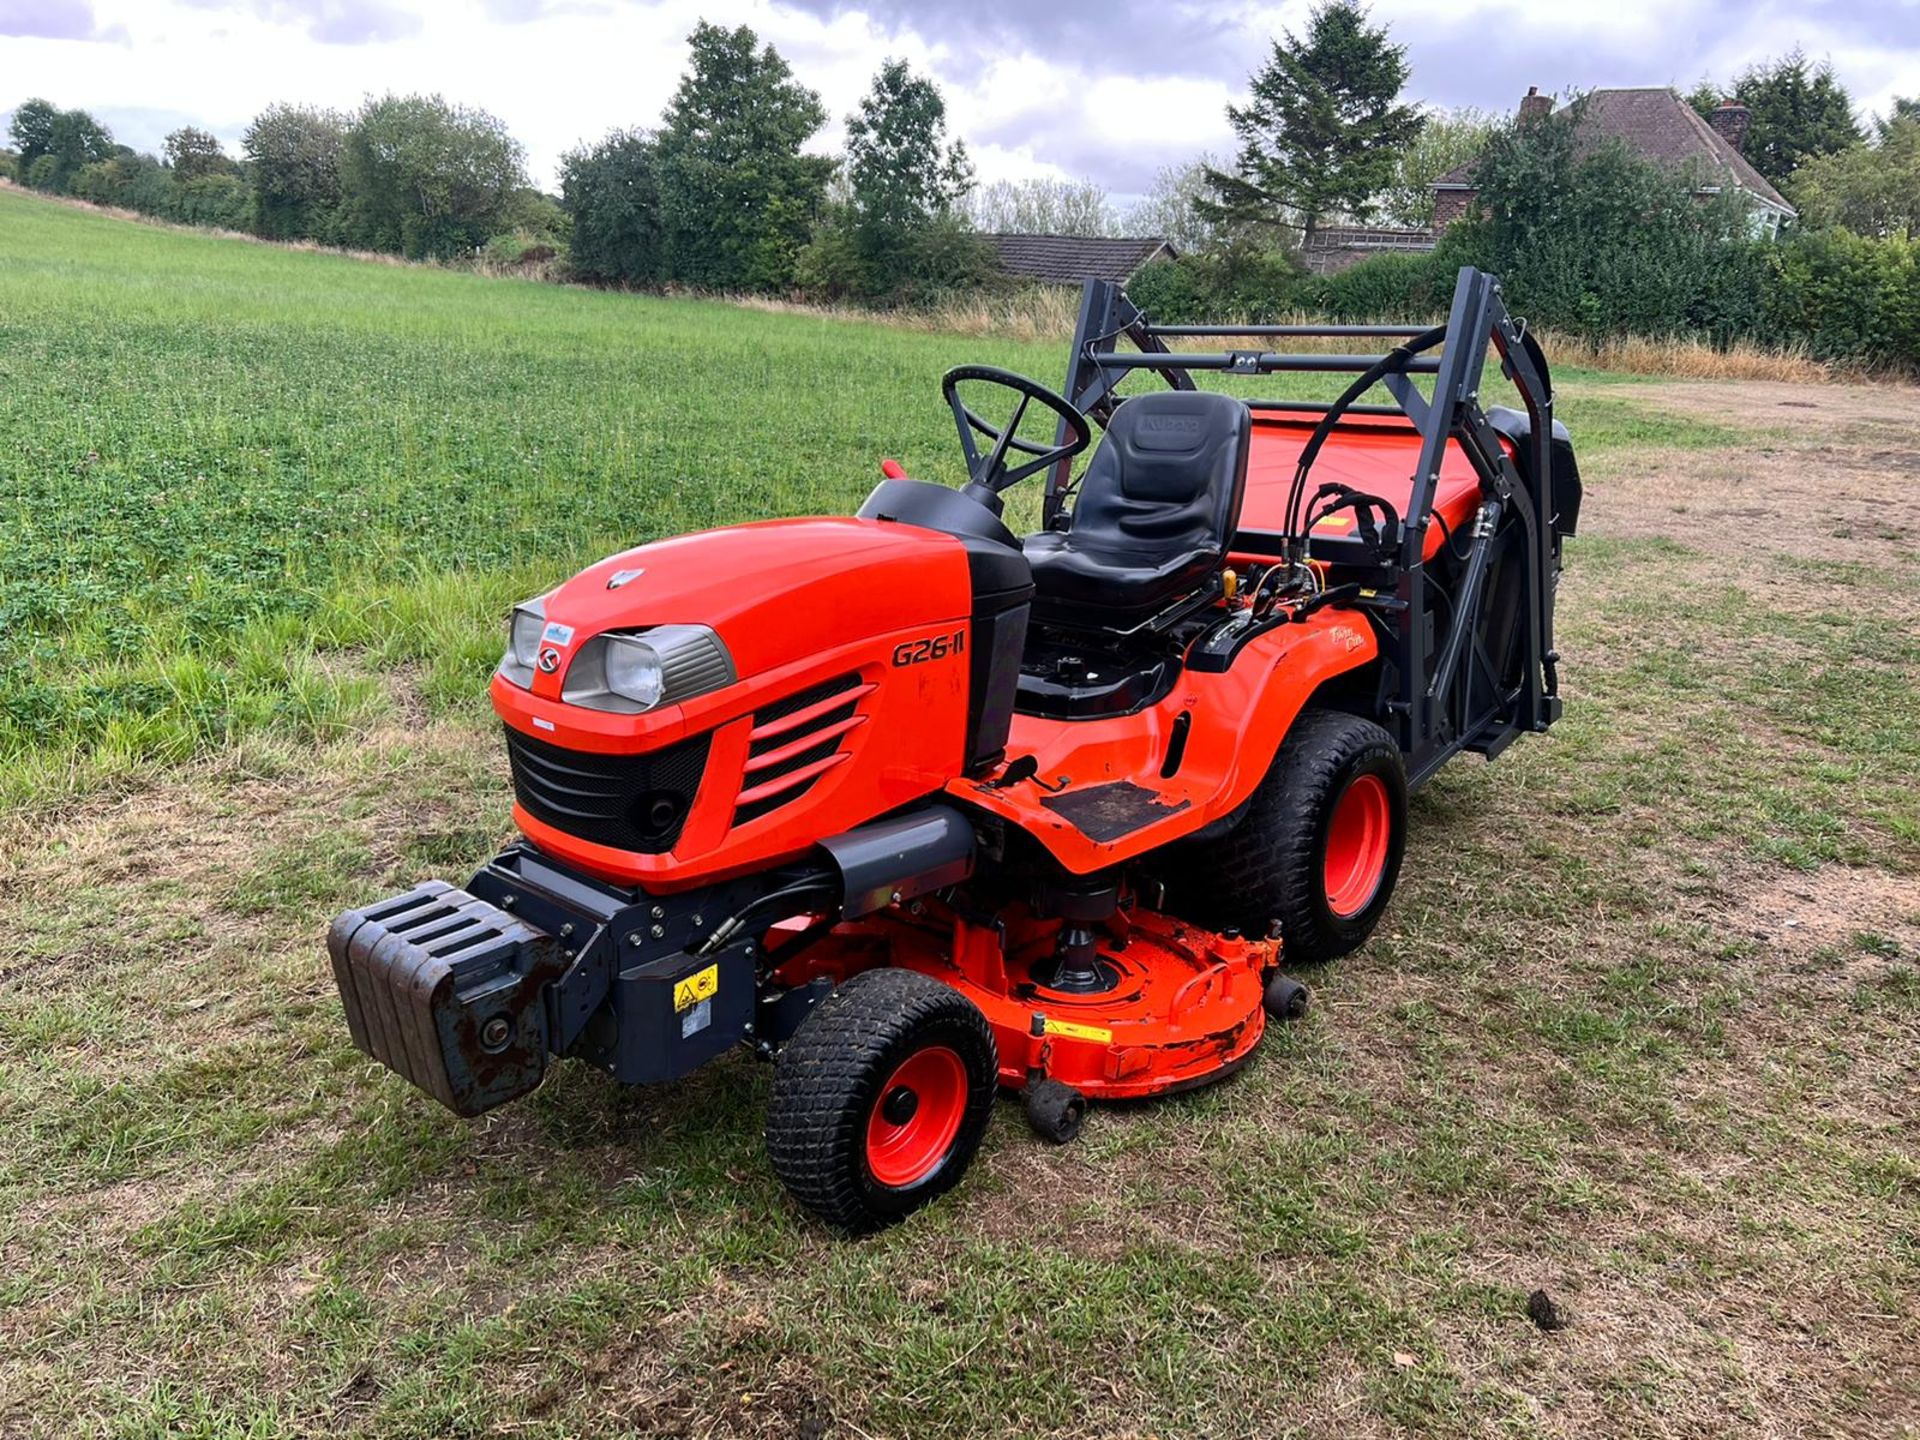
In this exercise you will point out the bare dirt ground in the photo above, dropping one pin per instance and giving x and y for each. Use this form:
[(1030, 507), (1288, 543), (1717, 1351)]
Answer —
[(1837, 474), (1642, 1030)]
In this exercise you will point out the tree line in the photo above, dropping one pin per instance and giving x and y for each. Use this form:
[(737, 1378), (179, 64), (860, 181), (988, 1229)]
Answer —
[(413, 175), (722, 196), (1591, 237)]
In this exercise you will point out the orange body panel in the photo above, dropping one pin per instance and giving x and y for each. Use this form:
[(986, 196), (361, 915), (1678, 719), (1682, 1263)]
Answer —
[(1377, 455), (800, 602), (797, 602), (1238, 719)]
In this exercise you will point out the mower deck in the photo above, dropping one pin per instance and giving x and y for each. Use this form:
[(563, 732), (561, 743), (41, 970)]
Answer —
[(1182, 1007)]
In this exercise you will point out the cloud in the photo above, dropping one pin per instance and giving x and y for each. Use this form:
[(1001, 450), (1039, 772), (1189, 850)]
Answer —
[(1115, 130), (54, 20), (331, 22), (1108, 90), (1144, 37), (147, 127), (353, 22), (1114, 89), (522, 12)]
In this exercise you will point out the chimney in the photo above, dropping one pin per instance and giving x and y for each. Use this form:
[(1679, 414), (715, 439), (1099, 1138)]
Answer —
[(1730, 120), (1535, 106)]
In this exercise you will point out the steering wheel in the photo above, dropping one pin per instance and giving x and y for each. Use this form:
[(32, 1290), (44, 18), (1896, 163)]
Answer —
[(992, 472)]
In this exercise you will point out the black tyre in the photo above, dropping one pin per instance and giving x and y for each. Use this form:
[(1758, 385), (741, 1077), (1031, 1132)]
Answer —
[(881, 1098), (1055, 1111), (1317, 849), (1286, 999)]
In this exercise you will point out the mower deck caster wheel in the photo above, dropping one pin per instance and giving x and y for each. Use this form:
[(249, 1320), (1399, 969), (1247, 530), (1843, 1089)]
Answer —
[(1055, 1111), (1286, 999)]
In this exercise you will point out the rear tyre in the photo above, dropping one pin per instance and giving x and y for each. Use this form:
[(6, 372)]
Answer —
[(881, 1098), (1318, 848)]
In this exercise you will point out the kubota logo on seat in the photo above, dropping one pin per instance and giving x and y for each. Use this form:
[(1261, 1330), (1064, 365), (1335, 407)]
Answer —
[(1171, 424)]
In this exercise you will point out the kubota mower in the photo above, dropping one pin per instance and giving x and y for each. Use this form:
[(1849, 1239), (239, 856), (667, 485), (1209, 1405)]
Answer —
[(919, 810)]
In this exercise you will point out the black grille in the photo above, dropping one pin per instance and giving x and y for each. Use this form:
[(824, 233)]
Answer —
[(631, 802), (812, 695), (761, 745)]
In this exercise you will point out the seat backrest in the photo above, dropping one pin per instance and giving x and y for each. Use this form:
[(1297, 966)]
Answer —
[(1168, 477)]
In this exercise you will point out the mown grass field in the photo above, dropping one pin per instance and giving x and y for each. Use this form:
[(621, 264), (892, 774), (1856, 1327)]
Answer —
[(1643, 1027)]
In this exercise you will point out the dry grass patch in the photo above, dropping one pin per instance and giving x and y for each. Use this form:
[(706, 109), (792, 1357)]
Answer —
[(1818, 517), (1049, 312), (1687, 357)]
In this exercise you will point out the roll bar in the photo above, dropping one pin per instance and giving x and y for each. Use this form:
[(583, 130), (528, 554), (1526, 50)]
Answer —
[(1449, 412)]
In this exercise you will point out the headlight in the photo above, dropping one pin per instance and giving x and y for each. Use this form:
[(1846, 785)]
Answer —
[(523, 641), (661, 666), (634, 671), (524, 638)]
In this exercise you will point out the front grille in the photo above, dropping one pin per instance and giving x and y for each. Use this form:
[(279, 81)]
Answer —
[(797, 740), (632, 802)]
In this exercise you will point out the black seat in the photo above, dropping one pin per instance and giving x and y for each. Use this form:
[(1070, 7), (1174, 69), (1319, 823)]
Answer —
[(1155, 510)]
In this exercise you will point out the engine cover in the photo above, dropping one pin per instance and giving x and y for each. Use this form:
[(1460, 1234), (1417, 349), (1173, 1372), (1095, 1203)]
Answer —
[(853, 640)]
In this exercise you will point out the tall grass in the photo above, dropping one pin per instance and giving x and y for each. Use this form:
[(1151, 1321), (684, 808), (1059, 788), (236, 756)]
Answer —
[(1688, 357), (222, 460), (1049, 312)]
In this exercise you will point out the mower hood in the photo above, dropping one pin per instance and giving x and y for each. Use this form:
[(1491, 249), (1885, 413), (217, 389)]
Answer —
[(775, 592)]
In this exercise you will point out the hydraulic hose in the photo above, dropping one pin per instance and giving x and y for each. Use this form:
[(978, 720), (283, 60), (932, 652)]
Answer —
[(1391, 363)]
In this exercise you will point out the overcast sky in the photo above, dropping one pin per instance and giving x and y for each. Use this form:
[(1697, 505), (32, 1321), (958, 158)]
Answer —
[(1105, 89)]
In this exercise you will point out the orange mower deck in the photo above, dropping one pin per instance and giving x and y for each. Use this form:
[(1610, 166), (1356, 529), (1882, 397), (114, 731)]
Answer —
[(1186, 1008)]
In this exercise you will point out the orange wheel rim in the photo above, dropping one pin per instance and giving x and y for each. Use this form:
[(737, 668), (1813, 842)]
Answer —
[(1358, 839), (916, 1117)]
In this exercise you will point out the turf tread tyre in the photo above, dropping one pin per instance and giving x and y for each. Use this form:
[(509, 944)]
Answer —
[(1267, 869), (827, 1080)]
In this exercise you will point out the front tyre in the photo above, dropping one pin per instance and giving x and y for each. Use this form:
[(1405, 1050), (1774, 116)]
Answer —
[(881, 1098), (1318, 849)]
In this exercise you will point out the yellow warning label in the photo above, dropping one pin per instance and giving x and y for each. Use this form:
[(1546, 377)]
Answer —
[(1068, 1030), (701, 985)]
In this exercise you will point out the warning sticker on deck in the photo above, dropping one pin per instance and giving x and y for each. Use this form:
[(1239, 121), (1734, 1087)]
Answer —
[(1068, 1030), (701, 985)]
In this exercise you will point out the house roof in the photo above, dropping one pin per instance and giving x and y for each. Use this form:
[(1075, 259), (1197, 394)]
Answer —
[(1069, 259), (1656, 123)]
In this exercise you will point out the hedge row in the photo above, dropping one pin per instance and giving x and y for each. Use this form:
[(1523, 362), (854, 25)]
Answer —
[(1840, 296)]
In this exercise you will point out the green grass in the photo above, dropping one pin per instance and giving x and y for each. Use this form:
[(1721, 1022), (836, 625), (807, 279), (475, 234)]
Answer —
[(225, 459), (1638, 1028)]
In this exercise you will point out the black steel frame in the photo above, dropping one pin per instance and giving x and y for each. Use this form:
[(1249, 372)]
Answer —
[(1429, 707)]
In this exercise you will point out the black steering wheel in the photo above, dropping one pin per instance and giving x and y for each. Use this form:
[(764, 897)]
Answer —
[(988, 475)]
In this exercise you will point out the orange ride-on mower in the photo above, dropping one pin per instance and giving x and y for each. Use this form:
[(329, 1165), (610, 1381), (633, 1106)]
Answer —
[(919, 811)]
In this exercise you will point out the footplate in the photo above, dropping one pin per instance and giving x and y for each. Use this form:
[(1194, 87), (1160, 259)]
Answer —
[(446, 990)]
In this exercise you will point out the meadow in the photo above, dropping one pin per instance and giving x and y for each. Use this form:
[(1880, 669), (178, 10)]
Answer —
[(1640, 1029)]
